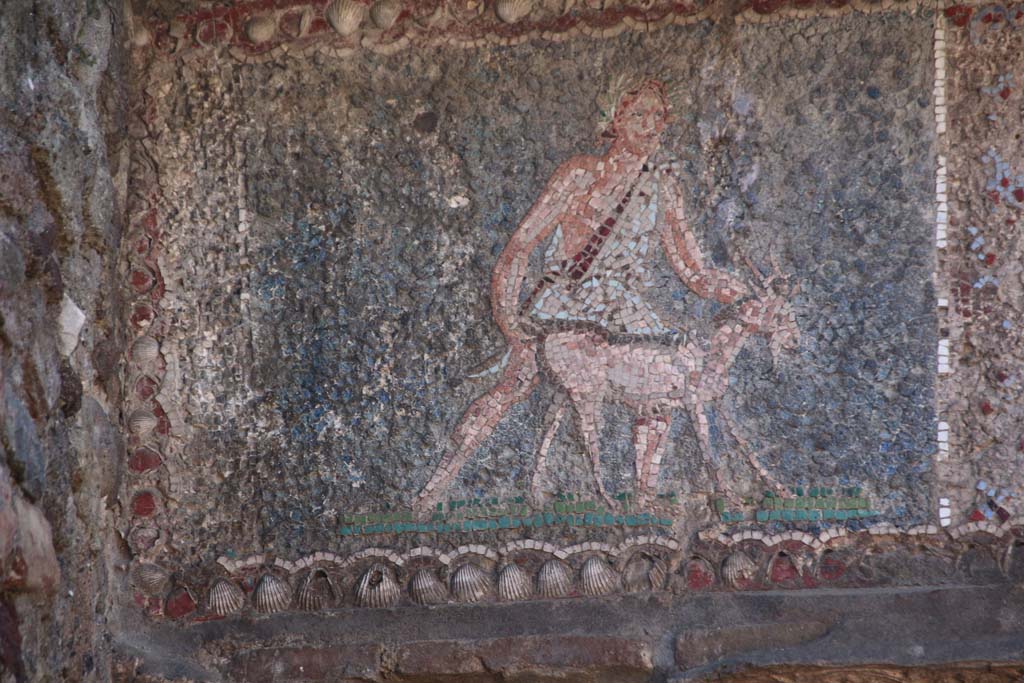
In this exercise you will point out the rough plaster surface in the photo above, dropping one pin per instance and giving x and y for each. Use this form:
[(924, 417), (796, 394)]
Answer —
[(63, 171)]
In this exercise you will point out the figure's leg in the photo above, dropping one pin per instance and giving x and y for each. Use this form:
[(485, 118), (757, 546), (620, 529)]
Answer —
[(649, 441), (480, 420), (700, 425), (554, 423), (591, 422)]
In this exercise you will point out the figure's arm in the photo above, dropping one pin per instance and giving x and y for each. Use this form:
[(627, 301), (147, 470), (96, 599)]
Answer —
[(685, 255), (540, 221)]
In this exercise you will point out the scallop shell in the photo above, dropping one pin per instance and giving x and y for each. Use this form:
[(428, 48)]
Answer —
[(378, 588), (272, 594), (142, 422), (470, 583), (598, 578), (306, 22), (384, 13), (644, 573), (317, 591), (514, 583), (345, 16), (260, 29), (738, 567), (225, 597), (145, 349), (177, 28), (426, 589), (151, 578), (141, 35), (554, 579), (511, 11)]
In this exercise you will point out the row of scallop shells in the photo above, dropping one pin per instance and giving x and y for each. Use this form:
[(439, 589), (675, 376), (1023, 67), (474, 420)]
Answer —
[(346, 16), (378, 586)]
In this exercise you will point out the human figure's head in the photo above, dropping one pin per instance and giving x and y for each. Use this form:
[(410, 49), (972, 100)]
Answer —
[(640, 116)]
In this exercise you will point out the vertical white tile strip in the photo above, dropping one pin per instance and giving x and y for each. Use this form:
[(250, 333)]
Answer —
[(941, 225)]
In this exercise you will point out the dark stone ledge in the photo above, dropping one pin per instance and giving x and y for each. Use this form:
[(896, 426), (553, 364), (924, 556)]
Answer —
[(653, 637)]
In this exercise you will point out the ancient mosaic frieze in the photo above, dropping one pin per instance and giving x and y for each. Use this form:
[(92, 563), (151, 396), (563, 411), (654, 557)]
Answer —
[(494, 303)]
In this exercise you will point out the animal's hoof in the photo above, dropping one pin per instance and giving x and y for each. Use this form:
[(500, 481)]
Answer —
[(424, 501)]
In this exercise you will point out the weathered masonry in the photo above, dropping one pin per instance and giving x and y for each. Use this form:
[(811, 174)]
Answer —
[(512, 340)]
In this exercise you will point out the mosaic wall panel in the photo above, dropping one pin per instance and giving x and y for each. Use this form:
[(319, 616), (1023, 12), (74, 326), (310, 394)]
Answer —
[(981, 441), (570, 293)]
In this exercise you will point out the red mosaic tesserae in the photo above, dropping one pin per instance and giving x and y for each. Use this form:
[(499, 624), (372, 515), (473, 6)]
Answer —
[(698, 576), (144, 504), (144, 460), (831, 568), (179, 603), (783, 570), (959, 15)]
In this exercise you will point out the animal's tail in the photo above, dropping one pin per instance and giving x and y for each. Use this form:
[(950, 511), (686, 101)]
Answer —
[(492, 365)]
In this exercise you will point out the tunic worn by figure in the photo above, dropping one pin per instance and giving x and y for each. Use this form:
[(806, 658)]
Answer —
[(604, 282)]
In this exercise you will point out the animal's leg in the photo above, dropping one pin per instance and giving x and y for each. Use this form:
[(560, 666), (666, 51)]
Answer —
[(700, 425), (591, 422), (480, 420), (649, 441), (554, 423)]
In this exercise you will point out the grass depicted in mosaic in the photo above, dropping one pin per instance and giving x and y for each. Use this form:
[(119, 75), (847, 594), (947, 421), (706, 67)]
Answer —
[(493, 513), (810, 504), (797, 504)]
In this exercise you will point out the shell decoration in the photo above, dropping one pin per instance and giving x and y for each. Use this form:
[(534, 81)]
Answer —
[(142, 422), (306, 22), (260, 29), (644, 573), (738, 567), (658, 575), (514, 583), (470, 583), (151, 579), (426, 589), (598, 578), (384, 13), (554, 580), (378, 588), (345, 16), (317, 591), (141, 35), (225, 598), (511, 11), (272, 594), (145, 350)]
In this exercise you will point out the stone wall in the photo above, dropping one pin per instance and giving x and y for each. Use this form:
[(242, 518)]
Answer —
[(63, 178)]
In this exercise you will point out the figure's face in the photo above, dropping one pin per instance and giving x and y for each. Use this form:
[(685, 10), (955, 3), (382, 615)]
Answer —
[(640, 118)]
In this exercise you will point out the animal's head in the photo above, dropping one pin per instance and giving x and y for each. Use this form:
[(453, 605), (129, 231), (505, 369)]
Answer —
[(771, 312)]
